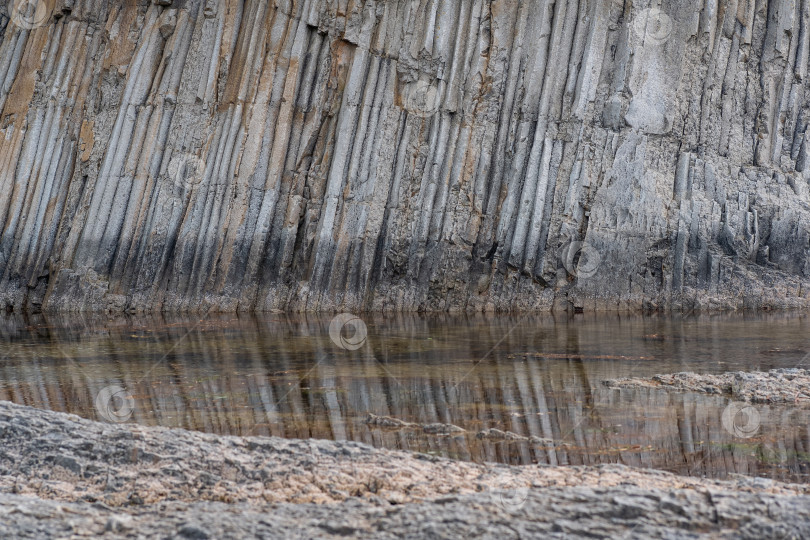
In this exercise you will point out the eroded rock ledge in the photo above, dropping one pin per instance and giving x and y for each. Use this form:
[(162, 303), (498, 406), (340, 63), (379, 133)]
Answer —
[(790, 385), (64, 476)]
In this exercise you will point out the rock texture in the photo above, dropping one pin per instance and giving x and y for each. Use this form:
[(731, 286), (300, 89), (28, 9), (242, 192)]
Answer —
[(63, 477), (776, 386), (403, 154), (626, 512)]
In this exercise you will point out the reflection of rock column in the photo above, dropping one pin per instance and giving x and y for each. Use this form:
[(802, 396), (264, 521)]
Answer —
[(326, 374), (542, 408), (223, 384), (512, 403)]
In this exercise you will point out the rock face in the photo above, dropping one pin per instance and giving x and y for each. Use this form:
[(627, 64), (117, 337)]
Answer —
[(403, 154), (64, 477)]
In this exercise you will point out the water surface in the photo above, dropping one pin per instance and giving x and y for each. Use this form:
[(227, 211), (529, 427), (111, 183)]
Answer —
[(535, 376)]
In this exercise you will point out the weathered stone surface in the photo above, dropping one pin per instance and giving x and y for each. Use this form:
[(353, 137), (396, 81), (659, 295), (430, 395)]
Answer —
[(61, 476), (409, 154), (790, 385), (626, 512), (64, 457)]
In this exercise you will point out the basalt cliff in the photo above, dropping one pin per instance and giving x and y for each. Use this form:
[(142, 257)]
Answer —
[(404, 154)]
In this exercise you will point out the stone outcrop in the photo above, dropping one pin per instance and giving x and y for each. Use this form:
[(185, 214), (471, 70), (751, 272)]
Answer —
[(403, 154), (790, 385), (61, 476)]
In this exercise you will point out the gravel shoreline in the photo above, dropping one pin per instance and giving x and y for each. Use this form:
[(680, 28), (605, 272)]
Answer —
[(65, 477)]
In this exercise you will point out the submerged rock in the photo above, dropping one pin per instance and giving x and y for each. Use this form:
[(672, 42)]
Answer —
[(442, 429), (395, 423), (388, 422), (494, 434), (469, 155), (497, 434)]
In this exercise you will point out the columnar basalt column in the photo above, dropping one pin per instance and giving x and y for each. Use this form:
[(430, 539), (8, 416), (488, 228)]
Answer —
[(434, 155)]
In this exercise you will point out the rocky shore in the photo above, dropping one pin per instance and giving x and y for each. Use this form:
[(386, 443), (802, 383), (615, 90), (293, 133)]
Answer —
[(65, 477), (776, 386)]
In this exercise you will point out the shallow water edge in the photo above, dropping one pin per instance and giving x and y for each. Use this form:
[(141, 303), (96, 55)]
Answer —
[(538, 377)]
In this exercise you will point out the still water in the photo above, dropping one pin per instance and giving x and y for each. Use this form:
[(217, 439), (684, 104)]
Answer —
[(537, 376)]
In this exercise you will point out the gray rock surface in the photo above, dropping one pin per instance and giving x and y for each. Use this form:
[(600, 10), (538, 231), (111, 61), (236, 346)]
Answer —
[(64, 477), (627, 512), (404, 155), (790, 385)]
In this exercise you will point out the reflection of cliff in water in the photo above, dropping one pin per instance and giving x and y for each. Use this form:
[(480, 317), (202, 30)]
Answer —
[(284, 377)]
